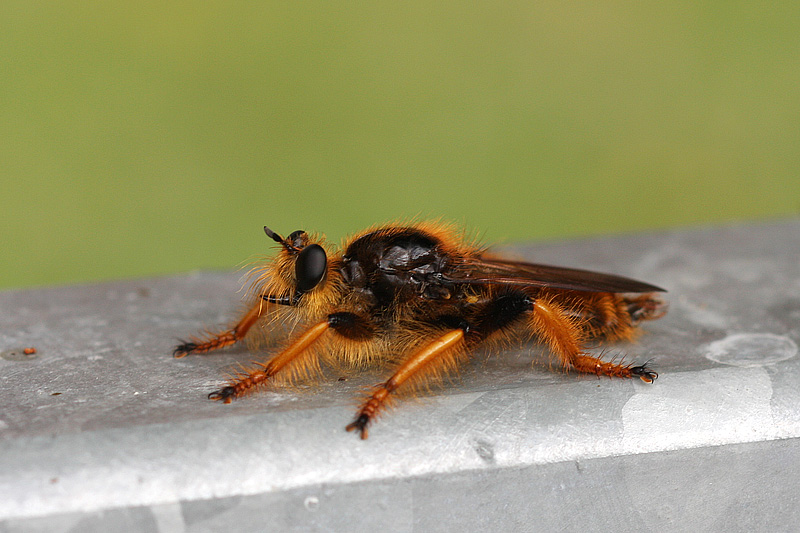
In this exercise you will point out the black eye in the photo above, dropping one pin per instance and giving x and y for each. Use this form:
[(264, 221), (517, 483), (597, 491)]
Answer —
[(310, 267)]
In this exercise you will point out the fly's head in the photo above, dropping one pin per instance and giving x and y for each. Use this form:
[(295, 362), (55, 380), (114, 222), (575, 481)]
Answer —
[(300, 274)]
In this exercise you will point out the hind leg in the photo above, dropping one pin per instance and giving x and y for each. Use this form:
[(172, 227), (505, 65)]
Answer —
[(611, 316), (558, 327), (645, 307)]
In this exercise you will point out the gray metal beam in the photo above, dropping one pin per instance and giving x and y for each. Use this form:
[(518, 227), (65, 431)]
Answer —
[(102, 429)]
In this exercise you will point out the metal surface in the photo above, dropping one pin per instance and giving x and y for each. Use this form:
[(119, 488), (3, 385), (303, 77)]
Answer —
[(103, 430)]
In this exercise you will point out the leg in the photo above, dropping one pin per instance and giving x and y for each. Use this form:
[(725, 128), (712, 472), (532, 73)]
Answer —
[(605, 315), (564, 334), (298, 357), (430, 357), (560, 328), (250, 379), (223, 339), (444, 352), (645, 307)]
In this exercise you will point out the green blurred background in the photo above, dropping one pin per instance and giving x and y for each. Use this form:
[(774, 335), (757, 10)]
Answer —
[(143, 138)]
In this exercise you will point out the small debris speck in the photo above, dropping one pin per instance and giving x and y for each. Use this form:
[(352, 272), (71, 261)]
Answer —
[(19, 354)]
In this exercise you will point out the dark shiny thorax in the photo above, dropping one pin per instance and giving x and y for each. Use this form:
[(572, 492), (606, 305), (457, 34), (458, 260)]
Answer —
[(396, 266)]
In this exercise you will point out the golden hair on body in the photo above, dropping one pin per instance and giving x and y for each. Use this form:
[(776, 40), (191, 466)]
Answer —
[(419, 297)]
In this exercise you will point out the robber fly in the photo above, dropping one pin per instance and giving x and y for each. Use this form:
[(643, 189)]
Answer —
[(420, 298)]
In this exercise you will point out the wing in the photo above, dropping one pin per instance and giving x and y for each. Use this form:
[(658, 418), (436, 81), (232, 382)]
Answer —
[(494, 271)]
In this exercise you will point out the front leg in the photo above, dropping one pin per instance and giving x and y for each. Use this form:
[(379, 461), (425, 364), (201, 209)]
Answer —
[(215, 341), (300, 356)]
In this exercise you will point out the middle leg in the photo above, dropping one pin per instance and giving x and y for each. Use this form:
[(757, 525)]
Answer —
[(444, 352)]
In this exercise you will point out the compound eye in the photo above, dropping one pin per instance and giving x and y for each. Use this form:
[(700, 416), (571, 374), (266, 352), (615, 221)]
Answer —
[(310, 267)]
